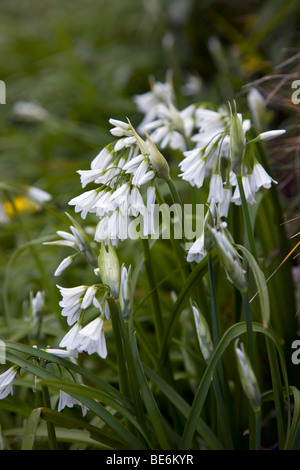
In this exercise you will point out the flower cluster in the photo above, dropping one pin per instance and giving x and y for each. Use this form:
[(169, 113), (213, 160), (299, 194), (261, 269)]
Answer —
[(215, 146), (122, 172), (75, 301)]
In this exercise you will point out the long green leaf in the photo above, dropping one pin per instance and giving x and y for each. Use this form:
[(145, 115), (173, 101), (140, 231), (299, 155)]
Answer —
[(197, 406), (150, 403), (131, 441), (198, 272), (184, 408), (41, 354), (261, 285), (30, 429), (76, 389), (63, 420)]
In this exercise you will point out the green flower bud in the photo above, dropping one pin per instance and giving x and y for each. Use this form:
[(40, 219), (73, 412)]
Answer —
[(109, 268), (230, 259), (247, 376), (141, 143), (203, 334), (237, 142), (158, 161), (257, 109)]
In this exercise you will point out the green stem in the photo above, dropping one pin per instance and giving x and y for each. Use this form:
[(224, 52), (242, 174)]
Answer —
[(119, 343), (252, 247), (214, 309), (219, 370), (174, 193), (222, 414), (278, 393), (247, 221), (250, 336), (50, 427), (157, 314)]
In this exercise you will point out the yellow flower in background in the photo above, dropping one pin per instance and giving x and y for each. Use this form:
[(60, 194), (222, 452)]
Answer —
[(21, 204), (30, 202)]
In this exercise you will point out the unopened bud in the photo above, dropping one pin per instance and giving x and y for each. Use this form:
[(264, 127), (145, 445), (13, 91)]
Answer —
[(230, 259), (109, 268), (247, 376), (269, 135), (158, 161), (237, 142), (203, 334), (125, 289), (141, 143), (257, 109)]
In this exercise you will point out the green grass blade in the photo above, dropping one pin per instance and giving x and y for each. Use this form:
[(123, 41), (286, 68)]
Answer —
[(131, 441), (197, 406), (150, 403), (261, 285), (184, 408), (30, 429), (198, 272)]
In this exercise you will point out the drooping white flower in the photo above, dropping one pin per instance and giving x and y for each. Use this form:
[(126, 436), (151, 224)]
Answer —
[(121, 197), (172, 126), (197, 251), (193, 167), (104, 158), (66, 262), (148, 216), (216, 190), (249, 193), (269, 135), (124, 297), (260, 178), (76, 299), (7, 380), (88, 176), (223, 206), (92, 339), (124, 131), (66, 400), (37, 303), (136, 204), (27, 111), (203, 243), (71, 341), (148, 103), (39, 196), (61, 352), (88, 296)]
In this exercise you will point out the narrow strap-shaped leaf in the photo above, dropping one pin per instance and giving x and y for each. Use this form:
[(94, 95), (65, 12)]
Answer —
[(198, 272), (261, 285), (63, 420), (127, 437), (76, 389), (197, 406), (30, 429), (184, 408), (294, 433), (150, 403), (102, 385)]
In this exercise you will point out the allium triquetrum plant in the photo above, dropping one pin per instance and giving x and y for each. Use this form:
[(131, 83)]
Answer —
[(182, 347)]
